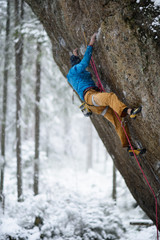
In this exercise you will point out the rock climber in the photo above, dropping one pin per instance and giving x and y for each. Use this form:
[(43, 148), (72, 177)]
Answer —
[(100, 102)]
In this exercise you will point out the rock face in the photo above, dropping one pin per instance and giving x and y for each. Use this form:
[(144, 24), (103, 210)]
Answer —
[(127, 55)]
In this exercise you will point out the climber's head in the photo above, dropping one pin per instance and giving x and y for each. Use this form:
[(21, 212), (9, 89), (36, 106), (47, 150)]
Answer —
[(74, 60)]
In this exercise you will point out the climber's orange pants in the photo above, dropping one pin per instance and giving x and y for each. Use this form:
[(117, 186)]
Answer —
[(114, 104)]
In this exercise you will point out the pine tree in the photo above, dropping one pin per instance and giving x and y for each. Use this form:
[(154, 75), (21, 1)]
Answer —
[(90, 146), (5, 91), (18, 67), (114, 189), (37, 119)]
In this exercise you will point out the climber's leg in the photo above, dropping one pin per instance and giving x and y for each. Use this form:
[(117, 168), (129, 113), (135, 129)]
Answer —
[(111, 100), (110, 115), (88, 100)]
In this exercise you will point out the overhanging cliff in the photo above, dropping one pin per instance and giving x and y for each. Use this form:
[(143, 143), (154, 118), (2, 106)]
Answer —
[(127, 54)]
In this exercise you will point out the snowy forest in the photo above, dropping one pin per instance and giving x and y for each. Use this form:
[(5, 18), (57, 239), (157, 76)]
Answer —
[(57, 179)]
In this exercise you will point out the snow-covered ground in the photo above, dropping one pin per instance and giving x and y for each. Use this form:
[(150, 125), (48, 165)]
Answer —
[(156, 2), (72, 205)]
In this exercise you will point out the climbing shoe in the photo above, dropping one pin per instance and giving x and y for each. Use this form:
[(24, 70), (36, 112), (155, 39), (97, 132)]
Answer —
[(134, 112), (137, 151)]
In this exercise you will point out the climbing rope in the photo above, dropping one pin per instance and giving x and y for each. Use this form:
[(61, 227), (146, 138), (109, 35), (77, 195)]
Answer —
[(156, 205), (102, 89), (99, 84)]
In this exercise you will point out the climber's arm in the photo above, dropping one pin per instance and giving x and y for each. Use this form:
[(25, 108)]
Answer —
[(87, 56)]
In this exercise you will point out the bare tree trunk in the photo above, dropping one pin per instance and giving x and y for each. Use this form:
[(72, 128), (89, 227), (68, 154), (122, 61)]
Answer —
[(5, 91), (97, 149), (66, 129), (37, 120), (114, 189), (18, 66), (47, 143), (89, 157)]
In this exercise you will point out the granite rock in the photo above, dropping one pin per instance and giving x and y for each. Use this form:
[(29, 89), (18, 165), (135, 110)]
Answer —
[(127, 55)]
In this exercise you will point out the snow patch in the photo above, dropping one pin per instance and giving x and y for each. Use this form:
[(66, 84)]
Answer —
[(156, 2), (62, 42), (67, 216), (13, 226), (107, 88), (35, 236), (124, 93), (156, 21), (158, 166), (70, 53), (82, 49), (98, 34)]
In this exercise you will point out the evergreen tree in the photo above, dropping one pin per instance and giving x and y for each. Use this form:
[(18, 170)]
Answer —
[(114, 188), (37, 118), (90, 146), (5, 91), (18, 67)]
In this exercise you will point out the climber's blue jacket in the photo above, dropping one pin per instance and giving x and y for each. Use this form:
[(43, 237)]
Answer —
[(78, 77)]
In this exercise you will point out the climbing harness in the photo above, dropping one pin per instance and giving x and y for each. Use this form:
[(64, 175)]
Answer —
[(85, 110), (154, 195), (94, 103)]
